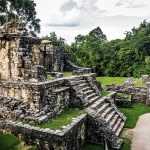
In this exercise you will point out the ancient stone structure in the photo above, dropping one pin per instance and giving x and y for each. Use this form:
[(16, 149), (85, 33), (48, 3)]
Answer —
[(51, 57), (69, 66), (145, 78), (27, 97), (138, 94)]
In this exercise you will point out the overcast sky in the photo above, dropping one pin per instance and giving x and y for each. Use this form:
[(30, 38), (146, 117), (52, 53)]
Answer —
[(68, 18)]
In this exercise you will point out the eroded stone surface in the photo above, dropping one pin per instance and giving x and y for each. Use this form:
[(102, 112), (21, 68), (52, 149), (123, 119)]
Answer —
[(141, 133)]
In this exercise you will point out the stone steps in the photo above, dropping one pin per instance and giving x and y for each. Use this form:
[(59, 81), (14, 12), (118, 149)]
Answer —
[(83, 85), (88, 92), (102, 109), (120, 128), (117, 125), (92, 101), (107, 112), (114, 120), (98, 103), (110, 117), (86, 89), (87, 98)]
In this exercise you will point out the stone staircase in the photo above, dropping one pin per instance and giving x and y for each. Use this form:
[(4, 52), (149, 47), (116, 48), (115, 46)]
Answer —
[(103, 107)]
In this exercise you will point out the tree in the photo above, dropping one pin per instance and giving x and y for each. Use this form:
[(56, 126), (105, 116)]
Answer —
[(98, 34), (22, 10), (86, 50), (56, 41), (124, 57)]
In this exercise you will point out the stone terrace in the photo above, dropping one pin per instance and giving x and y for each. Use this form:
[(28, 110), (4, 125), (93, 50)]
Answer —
[(28, 97)]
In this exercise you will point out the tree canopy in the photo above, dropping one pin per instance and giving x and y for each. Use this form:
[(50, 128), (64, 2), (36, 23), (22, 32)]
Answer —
[(22, 10), (127, 57)]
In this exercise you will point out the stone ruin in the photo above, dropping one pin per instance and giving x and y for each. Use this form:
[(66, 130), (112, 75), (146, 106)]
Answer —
[(27, 98), (138, 93)]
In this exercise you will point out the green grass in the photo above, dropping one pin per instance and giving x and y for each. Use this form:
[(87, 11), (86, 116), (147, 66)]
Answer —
[(134, 113), (126, 145), (63, 119), (117, 80), (11, 142), (139, 83), (111, 80), (67, 74), (8, 141), (89, 146), (105, 93)]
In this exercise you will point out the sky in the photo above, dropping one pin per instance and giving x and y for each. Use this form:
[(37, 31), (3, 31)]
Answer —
[(69, 18)]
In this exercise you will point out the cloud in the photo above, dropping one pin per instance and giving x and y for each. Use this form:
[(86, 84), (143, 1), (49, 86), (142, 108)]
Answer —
[(130, 3), (68, 18), (123, 2), (119, 3), (64, 25), (67, 6), (76, 13), (140, 5)]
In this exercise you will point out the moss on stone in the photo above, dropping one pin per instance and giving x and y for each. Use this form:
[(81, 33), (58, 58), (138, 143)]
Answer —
[(63, 119), (67, 74), (105, 93)]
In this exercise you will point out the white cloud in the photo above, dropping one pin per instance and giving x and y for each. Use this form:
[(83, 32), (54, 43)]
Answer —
[(69, 18)]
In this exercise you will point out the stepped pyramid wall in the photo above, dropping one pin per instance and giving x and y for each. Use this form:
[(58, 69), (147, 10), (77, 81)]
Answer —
[(27, 97)]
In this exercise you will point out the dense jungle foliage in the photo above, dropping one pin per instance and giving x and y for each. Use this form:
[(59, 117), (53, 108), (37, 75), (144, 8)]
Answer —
[(127, 57)]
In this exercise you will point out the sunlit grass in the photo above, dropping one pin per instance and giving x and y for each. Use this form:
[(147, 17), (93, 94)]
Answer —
[(139, 83), (63, 119), (105, 93), (134, 113), (111, 80)]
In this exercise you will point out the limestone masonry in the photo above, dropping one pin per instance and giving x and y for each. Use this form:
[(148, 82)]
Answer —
[(28, 98)]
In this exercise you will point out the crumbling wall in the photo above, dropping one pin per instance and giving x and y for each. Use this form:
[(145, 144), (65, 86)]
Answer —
[(72, 137), (52, 93), (8, 62), (52, 58)]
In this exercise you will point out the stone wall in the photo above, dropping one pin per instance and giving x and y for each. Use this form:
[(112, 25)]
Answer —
[(16, 57), (51, 57), (53, 93), (98, 130), (70, 66), (72, 137), (138, 94)]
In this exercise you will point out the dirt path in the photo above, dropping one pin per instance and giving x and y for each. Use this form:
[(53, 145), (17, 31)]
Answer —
[(141, 134)]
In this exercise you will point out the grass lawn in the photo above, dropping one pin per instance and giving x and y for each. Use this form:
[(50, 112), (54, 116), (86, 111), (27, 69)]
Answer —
[(111, 80), (11, 142), (126, 145), (105, 93), (63, 119), (139, 83), (134, 113), (8, 142)]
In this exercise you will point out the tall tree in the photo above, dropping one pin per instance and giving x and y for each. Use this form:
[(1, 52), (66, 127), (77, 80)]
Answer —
[(24, 10), (55, 40)]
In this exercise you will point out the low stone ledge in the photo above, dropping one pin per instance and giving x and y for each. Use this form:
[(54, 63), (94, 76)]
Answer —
[(70, 138)]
